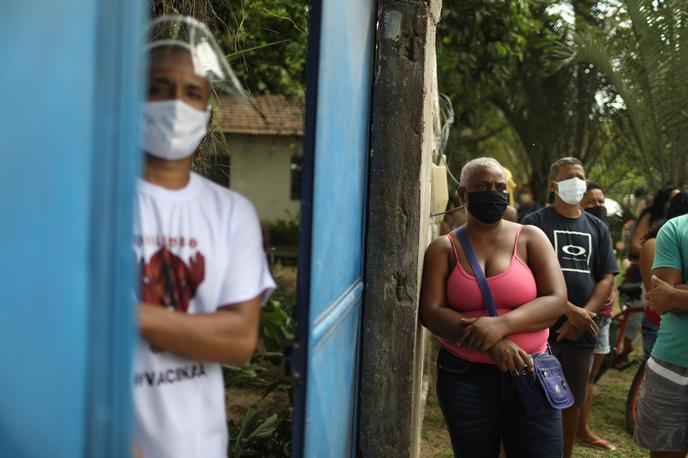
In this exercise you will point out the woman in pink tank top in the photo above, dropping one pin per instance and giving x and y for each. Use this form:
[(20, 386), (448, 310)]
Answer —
[(478, 352)]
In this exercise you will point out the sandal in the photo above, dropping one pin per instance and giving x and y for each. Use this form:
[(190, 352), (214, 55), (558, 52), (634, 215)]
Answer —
[(598, 444)]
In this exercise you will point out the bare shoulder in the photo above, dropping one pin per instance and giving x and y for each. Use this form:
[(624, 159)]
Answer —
[(533, 233), (535, 242), (438, 246), (648, 246)]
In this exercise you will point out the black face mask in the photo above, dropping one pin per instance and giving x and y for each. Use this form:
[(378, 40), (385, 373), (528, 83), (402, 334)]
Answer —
[(487, 206), (600, 212)]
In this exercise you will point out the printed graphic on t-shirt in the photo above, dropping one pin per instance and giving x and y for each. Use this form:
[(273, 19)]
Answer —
[(168, 281), (574, 250)]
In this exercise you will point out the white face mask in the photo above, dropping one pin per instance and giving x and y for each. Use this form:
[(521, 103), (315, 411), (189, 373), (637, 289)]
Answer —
[(172, 129), (572, 190)]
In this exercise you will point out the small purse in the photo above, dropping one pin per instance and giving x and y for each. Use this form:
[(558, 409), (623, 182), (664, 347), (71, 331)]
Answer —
[(546, 387)]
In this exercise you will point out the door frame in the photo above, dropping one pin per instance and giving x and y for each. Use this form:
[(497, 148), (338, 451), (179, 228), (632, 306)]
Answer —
[(299, 356), (120, 72)]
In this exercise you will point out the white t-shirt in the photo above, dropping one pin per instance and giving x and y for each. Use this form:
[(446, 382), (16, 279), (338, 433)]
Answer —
[(197, 248)]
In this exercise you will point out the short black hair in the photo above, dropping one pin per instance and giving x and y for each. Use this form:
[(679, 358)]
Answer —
[(593, 185), (554, 169)]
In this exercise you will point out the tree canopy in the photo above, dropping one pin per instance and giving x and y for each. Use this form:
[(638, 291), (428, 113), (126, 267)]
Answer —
[(515, 104), (264, 40), (530, 80)]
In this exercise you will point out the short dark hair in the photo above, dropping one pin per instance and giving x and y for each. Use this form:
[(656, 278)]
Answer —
[(593, 185), (554, 169)]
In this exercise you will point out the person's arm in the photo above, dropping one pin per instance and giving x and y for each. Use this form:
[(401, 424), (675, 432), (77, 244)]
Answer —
[(647, 257), (642, 228), (226, 336), (602, 291), (665, 294), (580, 319), (536, 315), (434, 312)]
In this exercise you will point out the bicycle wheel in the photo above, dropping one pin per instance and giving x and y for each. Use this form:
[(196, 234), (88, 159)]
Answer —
[(632, 398)]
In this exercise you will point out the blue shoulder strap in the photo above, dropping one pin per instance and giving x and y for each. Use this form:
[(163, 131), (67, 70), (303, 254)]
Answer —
[(477, 271)]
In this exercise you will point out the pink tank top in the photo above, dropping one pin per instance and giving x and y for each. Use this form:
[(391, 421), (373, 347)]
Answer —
[(510, 289)]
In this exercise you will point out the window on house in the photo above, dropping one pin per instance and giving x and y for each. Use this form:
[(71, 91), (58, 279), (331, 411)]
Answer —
[(296, 175)]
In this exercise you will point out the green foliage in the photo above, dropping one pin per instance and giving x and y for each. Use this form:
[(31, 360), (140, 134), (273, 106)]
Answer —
[(646, 59), (513, 106), (277, 328), (253, 437), (271, 435), (479, 44), (264, 40), (285, 231), (267, 45), (276, 324)]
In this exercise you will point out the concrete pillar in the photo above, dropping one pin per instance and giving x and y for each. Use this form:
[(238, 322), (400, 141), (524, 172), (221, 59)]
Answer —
[(398, 221)]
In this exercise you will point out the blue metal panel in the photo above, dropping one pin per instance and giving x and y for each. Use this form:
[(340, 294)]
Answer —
[(336, 160), (55, 109), (346, 51), (333, 381), (120, 77)]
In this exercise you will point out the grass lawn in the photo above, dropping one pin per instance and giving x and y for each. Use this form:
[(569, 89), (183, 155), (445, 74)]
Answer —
[(607, 420)]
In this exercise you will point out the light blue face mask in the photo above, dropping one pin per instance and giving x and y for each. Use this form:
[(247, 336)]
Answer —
[(572, 190)]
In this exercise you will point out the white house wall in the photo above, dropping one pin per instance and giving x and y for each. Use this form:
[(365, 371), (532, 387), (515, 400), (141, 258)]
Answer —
[(260, 169)]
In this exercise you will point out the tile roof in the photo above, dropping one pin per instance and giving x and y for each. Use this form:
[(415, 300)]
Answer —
[(262, 115)]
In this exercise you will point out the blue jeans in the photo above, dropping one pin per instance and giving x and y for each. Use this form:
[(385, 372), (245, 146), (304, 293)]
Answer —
[(482, 409)]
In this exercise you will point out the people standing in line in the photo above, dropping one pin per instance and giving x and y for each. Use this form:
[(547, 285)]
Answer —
[(677, 207), (593, 204), (527, 202), (203, 272), (479, 353), (584, 248), (662, 422), (650, 218)]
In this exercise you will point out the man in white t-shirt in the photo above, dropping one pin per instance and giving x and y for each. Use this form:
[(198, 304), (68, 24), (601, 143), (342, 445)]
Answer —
[(203, 272)]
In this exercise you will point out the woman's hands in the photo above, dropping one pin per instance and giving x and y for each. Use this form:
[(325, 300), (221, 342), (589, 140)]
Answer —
[(486, 334), (482, 333), (509, 357)]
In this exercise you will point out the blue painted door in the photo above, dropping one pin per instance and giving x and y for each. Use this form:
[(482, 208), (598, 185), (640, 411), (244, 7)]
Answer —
[(70, 90), (331, 260)]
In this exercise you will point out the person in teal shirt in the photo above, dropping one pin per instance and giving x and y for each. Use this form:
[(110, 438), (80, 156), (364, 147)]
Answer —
[(662, 424)]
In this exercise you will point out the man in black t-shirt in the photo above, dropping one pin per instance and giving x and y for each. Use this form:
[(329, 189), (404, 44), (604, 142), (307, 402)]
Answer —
[(586, 257)]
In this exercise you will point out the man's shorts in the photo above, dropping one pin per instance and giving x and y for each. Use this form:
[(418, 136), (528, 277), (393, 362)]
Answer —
[(576, 363), (662, 423), (602, 346)]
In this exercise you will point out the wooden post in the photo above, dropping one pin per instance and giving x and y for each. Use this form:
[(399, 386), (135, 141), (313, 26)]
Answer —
[(398, 228)]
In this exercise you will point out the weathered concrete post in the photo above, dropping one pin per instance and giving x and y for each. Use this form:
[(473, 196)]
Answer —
[(398, 217)]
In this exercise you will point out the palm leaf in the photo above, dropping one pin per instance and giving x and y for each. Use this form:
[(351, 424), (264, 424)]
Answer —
[(649, 75)]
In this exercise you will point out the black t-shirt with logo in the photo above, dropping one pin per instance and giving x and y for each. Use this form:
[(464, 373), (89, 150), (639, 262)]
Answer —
[(585, 253)]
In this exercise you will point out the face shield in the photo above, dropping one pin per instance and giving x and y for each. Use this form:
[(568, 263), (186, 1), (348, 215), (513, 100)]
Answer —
[(168, 34)]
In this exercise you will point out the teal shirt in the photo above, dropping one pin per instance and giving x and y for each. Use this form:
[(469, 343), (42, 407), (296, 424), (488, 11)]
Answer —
[(672, 252)]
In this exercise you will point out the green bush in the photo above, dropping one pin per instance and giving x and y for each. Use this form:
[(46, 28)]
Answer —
[(285, 231)]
